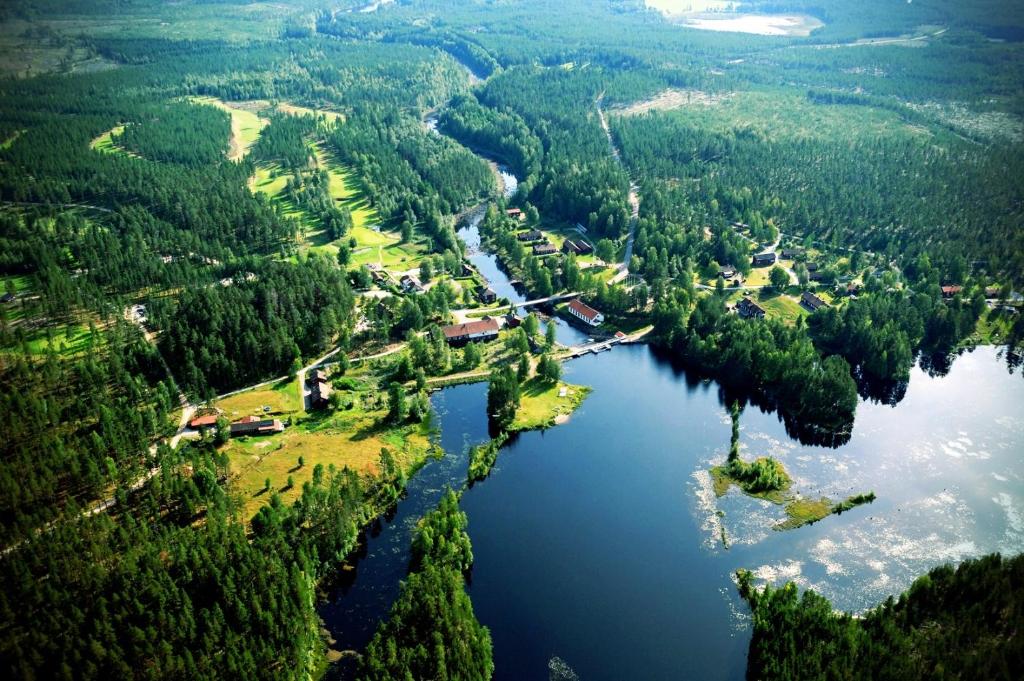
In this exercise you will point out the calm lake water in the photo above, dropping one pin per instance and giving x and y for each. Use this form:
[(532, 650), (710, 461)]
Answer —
[(598, 541)]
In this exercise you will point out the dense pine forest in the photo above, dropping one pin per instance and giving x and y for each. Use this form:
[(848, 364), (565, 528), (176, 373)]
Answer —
[(203, 197)]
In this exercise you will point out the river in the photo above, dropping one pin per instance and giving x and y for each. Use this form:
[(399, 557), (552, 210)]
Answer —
[(598, 541)]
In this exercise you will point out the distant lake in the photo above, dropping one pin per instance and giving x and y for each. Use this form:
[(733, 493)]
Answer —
[(713, 15), (598, 541)]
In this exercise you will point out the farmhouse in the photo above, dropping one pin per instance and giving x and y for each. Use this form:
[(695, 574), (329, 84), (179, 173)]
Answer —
[(204, 421), (726, 272), (516, 214), (583, 311), (483, 330), (253, 425), (748, 309), (763, 259), (790, 253), (532, 235), (319, 393), (811, 301), (544, 249), (950, 291), (486, 295)]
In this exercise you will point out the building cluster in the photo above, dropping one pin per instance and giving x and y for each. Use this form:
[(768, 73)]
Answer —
[(319, 389)]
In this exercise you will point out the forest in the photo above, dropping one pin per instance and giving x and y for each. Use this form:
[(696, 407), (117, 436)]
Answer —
[(124, 557), (951, 623)]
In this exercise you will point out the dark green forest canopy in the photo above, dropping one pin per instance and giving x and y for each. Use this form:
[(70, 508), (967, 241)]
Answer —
[(952, 623), (169, 583)]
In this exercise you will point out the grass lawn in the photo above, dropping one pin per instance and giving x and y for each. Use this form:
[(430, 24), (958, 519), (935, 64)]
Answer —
[(22, 283), (542, 406), (352, 438), (105, 143), (284, 399), (245, 126), (781, 306), (65, 340), (758, 277)]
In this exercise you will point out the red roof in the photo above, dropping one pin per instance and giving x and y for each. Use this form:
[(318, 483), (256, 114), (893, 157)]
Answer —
[(951, 290), (470, 328), (249, 419), (203, 421), (582, 309)]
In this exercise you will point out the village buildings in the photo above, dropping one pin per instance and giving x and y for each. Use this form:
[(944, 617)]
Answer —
[(485, 329), (584, 312), (748, 309)]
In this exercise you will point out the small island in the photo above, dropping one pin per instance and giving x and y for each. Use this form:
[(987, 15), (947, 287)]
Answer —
[(766, 478)]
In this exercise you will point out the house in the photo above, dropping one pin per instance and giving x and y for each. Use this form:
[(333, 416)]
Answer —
[(486, 295), (812, 267), (815, 276), (581, 310), (410, 284), (764, 259), (852, 289), (485, 329), (516, 214), (513, 321), (532, 235), (544, 249), (748, 309), (204, 421), (950, 291), (580, 247), (990, 292), (254, 425), (811, 301), (726, 272), (319, 393), (790, 253), (467, 270)]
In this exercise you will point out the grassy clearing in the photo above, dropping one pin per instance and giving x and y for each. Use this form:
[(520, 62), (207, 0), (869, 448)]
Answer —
[(22, 283), (783, 113), (66, 340), (246, 125), (352, 436), (782, 307), (296, 110), (105, 143), (284, 399), (543, 406)]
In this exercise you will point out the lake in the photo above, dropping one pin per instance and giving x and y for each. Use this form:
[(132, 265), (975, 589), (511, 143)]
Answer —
[(598, 541)]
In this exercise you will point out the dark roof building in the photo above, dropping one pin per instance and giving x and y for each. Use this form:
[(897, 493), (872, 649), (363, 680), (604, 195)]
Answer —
[(811, 301), (544, 249), (748, 309), (580, 247), (319, 393), (486, 295), (482, 330), (253, 425), (790, 253), (516, 214), (532, 235), (762, 259)]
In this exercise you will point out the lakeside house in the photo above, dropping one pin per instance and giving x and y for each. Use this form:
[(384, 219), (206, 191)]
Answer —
[(763, 259), (811, 301), (748, 309), (486, 295), (581, 310), (544, 249), (516, 214), (254, 425), (530, 236), (485, 329)]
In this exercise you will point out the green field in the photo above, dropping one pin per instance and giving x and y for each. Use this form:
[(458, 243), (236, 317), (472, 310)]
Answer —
[(246, 125), (105, 143), (542, 406), (781, 306), (787, 114)]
